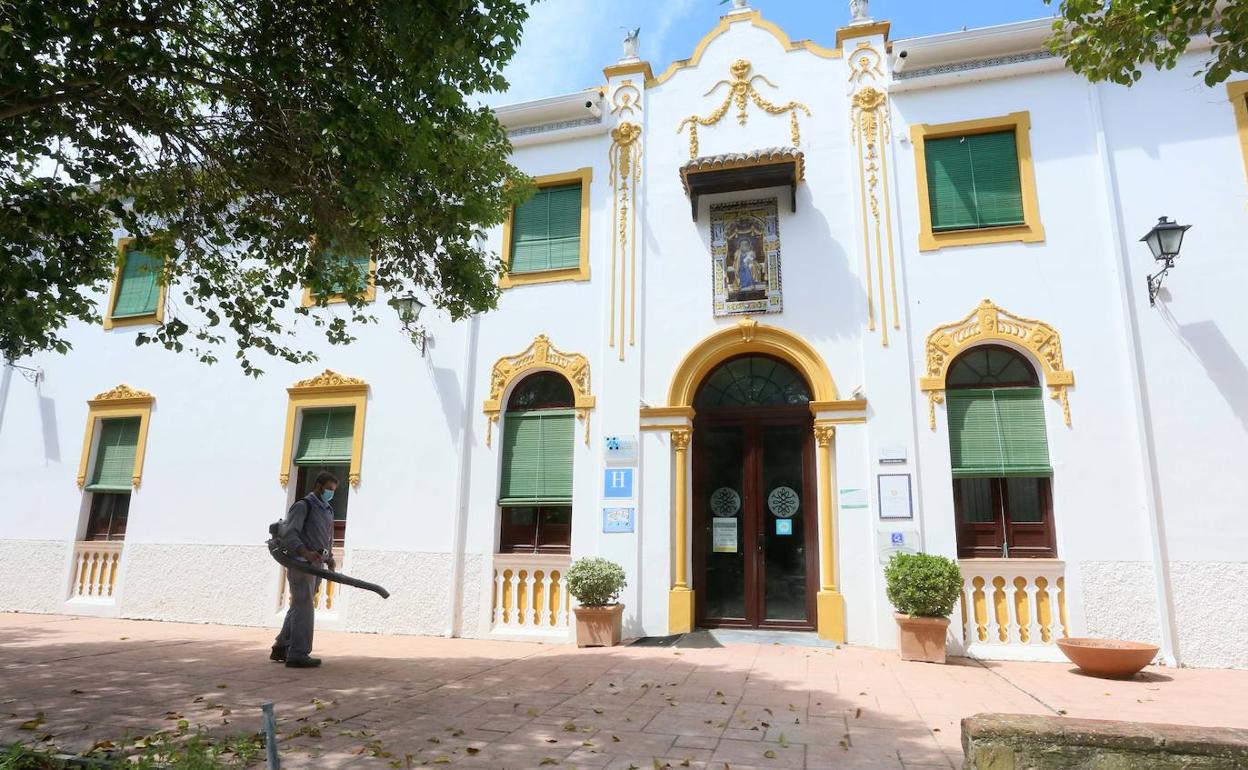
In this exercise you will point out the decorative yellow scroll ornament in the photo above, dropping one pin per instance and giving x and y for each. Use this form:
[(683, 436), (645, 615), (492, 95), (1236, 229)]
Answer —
[(990, 323), (540, 356), (625, 175), (742, 91)]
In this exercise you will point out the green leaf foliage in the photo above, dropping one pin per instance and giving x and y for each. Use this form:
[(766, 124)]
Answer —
[(1110, 39), (923, 584), (228, 137), (596, 582)]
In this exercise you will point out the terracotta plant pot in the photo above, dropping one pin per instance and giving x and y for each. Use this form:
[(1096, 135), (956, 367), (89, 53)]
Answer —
[(598, 626), (1109, 658), (921, 638)]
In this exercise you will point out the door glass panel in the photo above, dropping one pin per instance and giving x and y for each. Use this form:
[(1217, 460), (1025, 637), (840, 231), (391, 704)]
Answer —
[(1023, 500), (784, 518), (724, 514), (974, 498)]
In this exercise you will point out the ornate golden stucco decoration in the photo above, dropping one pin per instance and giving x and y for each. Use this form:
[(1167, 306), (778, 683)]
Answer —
[(625, 175), (330, 379), (864, 62), (626, 99), (539, 356), (991, 323), (870, 130), (122, 392), (742, 91)]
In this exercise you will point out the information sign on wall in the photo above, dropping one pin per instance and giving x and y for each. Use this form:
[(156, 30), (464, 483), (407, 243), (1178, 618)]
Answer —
[(617, 483), (619, 519)]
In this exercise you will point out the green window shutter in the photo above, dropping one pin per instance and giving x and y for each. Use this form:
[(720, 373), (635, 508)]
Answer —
[(325, 436), (360, 265), (139, 291), (546, 231), (973, 181), (950, 184), (998, 191), (995, 432), (537, 457), (114, 455)]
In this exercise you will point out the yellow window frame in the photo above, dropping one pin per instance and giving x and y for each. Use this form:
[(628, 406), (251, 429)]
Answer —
[(327, 389), (370, 292), (121, 401), (1237, 92), (581, 271), (156, 318), (1031, 231)]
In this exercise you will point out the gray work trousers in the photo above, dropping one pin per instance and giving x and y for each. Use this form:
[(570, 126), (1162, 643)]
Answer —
[(296, 633)]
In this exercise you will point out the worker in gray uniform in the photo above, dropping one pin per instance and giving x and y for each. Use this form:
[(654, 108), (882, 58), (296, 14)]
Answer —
[(307, 532)]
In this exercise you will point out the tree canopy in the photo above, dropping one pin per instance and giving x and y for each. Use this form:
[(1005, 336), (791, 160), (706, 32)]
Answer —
[(1110, 39), (248, 143)]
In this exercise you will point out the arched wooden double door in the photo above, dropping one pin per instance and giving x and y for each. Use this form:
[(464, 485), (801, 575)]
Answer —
[(755, 543)]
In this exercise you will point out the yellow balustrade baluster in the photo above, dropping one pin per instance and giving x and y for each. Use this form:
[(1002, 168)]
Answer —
[(999, 608), (1021, 611), (981, 609)]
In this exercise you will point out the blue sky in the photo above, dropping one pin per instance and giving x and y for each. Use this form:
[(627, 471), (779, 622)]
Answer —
[(568, 42)]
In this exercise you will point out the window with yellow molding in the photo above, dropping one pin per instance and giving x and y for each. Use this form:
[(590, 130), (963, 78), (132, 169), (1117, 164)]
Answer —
[(122, 403), (976, 182), (137, 295), (326, 390), (1238, 93), (546, 238), (363, 264)]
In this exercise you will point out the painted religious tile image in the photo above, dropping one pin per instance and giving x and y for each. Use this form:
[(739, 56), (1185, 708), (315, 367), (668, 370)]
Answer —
[(745, 255)]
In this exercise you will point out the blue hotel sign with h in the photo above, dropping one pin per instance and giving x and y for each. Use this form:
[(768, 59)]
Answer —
[(617, 483)]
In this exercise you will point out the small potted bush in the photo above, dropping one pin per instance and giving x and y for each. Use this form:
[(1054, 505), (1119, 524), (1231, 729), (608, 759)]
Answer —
[(923, 588), (596, 584)]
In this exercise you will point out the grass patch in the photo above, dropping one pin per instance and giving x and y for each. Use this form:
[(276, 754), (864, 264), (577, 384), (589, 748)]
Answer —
[(161, 751)]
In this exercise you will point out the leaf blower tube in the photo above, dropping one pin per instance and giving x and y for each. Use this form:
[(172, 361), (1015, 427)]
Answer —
[(289, 561)]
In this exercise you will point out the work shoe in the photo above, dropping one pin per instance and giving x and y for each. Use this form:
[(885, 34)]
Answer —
[(304, 662), (278, 653)]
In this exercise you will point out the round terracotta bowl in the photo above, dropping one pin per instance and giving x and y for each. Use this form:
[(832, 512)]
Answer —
[(1108, 657)]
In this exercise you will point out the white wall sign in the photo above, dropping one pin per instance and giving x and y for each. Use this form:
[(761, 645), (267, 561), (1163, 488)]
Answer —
[(724, 535), (895, 500), (893, 455), (619, 450), (853, 497)]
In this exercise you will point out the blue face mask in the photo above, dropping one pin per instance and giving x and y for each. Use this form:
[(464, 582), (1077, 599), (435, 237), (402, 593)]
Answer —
[(327, 495)]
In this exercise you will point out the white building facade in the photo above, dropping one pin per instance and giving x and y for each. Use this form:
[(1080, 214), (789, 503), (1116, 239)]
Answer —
[(776, 312)]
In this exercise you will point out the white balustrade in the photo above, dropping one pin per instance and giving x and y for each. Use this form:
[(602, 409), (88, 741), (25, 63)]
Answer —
[(325, 595), (96, 563), (531, 596), (1013, 609)]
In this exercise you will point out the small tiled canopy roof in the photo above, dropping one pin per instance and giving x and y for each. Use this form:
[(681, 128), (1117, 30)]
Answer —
[(769, 167)]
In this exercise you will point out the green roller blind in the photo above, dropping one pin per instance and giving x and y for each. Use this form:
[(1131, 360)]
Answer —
[(537, 457), (114, 455), (139, 291), (325, 436), (997, 432), (546, 231), (360, 265), (973, 181)]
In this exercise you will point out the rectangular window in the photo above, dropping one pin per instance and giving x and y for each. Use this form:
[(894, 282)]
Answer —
[(326, 436), (366, 284), (997, 432), (976, 182), (138, 288), (114, 455), (536, 529), (973, 181), (535, 493), (109, 512), (307, 479), (1004, 517), (546, 231)]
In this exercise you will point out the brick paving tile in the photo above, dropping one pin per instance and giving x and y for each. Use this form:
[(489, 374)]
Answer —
[(488, 704)]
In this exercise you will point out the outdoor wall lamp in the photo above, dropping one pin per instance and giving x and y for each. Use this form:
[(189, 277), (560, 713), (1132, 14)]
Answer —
[(1164, 240), (408, 307)]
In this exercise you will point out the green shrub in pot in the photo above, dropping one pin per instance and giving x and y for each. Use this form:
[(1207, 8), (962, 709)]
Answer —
[(922, 584), (596, 582)]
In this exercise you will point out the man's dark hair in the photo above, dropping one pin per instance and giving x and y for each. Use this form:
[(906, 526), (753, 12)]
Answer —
[(325, 477)]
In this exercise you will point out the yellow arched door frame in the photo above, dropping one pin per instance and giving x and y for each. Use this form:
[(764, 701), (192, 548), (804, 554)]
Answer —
[(750, 337)]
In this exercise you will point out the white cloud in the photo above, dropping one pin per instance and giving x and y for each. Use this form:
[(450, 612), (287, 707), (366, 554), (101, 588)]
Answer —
[(558, 42), (669, 14)]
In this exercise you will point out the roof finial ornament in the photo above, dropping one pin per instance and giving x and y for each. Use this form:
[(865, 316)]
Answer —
[(632, 45), (859, 12), (739, 6)]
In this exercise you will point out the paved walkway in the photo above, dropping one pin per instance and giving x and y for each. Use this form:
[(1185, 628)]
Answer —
[(401, 701)]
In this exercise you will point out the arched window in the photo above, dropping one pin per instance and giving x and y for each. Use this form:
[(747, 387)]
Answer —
[(1002, 489), (752, 381), (535, 492)]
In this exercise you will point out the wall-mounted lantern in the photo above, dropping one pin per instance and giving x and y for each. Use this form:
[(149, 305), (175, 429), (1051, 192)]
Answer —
[(408, 307), (1164, 240)]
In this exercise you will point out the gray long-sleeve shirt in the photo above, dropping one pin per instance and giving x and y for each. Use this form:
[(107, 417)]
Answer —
[(309, 523)]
